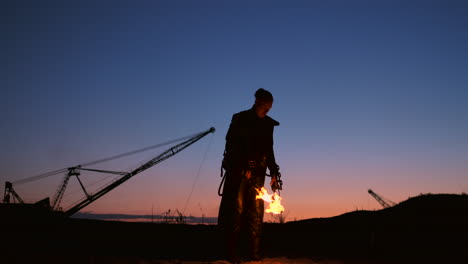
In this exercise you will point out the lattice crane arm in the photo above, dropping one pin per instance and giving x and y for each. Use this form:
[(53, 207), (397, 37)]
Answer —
[(9, 190), (382, 201), (161, 157)]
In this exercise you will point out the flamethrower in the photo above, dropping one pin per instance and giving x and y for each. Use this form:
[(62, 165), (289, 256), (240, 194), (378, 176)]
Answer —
[(273, 200)]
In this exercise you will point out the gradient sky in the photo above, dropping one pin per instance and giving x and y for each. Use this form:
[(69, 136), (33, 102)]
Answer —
[(369, 94)]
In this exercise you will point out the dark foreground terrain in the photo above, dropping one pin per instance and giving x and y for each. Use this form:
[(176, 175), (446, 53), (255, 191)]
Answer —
[(423, 229)]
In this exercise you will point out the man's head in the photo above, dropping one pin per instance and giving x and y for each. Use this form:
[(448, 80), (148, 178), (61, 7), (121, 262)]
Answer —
[(263, 102)]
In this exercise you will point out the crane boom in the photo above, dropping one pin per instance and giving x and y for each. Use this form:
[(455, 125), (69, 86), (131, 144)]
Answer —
[(382, 201), (161, 157)]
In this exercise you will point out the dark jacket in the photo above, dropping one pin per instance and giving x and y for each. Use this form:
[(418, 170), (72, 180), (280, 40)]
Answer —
[(250, 141)]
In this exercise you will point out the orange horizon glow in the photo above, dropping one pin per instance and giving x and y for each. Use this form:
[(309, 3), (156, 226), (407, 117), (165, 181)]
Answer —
[(328, 190)]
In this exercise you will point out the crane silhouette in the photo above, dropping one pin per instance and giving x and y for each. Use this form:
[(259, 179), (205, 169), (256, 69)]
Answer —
[(384, 202)]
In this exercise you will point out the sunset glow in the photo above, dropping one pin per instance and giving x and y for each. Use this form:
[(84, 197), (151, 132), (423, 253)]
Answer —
[(368, 94)]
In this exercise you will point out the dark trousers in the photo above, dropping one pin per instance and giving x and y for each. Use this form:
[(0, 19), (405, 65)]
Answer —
[(240, 211)]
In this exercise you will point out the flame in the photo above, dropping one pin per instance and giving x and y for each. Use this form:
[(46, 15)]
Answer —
[(273, 200)]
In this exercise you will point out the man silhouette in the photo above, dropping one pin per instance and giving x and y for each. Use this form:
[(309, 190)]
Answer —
[(248, 153)]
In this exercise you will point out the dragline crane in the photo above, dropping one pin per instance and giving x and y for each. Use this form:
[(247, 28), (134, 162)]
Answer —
[(75, 171), (9, 190), (384, 202)]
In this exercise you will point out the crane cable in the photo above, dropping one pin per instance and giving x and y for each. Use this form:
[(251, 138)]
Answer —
[(114, 179), (48, 174), (40, 176), (197, 175), (137, 151)]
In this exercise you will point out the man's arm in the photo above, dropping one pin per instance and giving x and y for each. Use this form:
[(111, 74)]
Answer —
[(275, 182), (231, 147)]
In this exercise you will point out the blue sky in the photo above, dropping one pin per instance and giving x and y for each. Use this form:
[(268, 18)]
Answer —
[(369, 94)]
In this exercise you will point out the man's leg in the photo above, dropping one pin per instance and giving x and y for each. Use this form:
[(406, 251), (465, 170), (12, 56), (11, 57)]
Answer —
[(236, 224), (254, 225)]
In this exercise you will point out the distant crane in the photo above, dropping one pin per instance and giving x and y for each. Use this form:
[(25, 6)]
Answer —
[(75, 171), (384, 202), (9, 190)]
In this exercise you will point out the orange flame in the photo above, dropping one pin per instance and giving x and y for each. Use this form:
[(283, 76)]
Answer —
[(273, 200)]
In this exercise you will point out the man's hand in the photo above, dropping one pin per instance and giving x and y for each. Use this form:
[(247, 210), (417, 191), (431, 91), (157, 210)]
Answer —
[(275, 182)]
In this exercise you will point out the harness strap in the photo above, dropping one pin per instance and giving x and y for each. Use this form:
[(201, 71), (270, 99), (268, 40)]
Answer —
[(222, 181)]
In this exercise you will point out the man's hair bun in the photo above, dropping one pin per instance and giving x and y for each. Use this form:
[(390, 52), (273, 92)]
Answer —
[(263, 95)]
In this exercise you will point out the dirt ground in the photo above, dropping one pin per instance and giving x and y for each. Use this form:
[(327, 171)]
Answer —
[(143, 260)]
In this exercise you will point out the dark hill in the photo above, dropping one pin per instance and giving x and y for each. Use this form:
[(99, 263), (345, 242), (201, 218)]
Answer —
[(451, 205), (423, 229), (429, 228)]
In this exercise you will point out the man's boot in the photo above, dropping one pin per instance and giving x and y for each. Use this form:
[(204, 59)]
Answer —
[(254, 249), (231, 248)]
